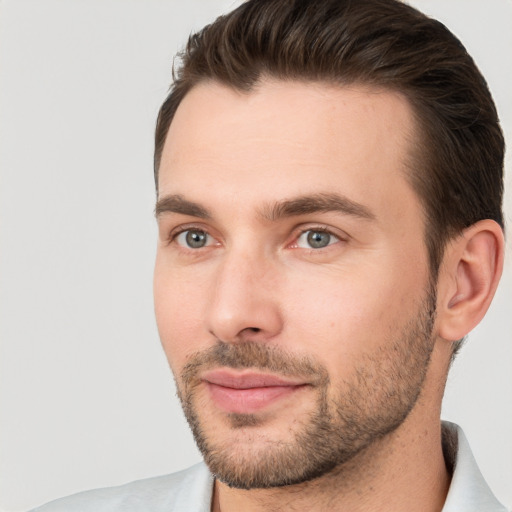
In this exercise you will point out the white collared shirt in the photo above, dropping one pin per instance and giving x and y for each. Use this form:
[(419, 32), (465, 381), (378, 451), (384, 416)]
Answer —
[(468, 491), (191, 490)]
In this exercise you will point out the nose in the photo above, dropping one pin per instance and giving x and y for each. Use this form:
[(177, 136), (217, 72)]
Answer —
[(244, 302)]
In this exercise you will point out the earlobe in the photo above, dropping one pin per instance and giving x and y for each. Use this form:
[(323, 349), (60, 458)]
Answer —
[(472, 267)]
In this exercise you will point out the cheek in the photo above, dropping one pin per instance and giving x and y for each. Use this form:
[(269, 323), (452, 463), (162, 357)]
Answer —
[(341, 316), (333, 319), (178, 312)]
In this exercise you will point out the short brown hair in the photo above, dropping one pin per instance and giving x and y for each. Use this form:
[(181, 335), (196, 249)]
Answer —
[(457, 162)]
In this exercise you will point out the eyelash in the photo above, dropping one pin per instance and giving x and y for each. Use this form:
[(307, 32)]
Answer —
[(317, 229), (174, 234)]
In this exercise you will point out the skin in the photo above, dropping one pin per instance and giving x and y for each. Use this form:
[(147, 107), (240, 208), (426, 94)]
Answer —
[(235, 155)]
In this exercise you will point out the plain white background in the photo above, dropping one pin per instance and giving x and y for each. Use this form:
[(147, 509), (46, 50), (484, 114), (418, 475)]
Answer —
[(86, 398)]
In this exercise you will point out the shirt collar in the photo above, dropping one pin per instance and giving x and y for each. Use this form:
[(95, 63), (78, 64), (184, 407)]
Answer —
[(468, 489)]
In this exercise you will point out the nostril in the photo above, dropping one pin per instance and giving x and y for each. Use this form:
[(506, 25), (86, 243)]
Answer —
[(254, 329)]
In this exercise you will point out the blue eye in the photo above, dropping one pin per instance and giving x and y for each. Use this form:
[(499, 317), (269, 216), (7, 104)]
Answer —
[(315, 239), (193, 238)]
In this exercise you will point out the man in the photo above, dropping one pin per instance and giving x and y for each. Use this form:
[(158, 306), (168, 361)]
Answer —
[(329, 180)]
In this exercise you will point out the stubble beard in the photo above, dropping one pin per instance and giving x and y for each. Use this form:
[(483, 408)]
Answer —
[(382, 391)]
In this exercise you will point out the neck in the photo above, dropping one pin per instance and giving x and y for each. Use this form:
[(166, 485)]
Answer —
[(402, 472)]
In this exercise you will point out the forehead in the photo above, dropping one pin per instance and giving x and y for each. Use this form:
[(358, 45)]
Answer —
[(290, 138)]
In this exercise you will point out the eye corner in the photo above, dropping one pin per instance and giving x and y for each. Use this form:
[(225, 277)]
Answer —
[(316, 238)]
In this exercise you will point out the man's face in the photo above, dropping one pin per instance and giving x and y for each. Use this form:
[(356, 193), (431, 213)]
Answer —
[(291, 284)]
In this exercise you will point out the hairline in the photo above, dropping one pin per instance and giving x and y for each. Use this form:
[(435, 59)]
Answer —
[(415, 159)]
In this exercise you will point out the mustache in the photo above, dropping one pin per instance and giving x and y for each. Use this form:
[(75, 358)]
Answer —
[(254, 355)]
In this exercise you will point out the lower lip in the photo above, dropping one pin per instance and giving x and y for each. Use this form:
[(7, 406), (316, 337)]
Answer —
[(251, 400)]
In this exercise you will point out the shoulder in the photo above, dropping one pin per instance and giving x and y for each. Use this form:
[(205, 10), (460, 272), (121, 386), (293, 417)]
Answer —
[(186, 490)]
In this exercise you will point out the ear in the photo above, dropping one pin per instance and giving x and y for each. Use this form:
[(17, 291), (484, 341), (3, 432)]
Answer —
[(471, 269)]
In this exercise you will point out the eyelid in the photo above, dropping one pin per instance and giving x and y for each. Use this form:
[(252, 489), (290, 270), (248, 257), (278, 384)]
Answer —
[(298, 231), (341, 236), (182, 228)]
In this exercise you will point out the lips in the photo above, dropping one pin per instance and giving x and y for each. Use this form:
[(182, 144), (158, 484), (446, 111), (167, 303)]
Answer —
[(248, 392)]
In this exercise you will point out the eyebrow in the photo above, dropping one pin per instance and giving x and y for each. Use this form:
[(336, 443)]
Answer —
[(317, 203), (178, 204), (302, 205)]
